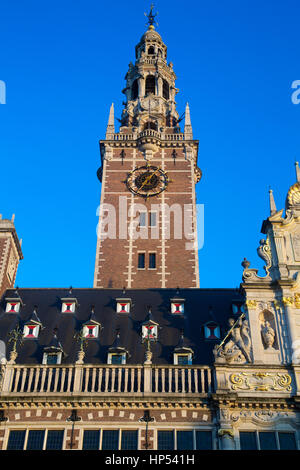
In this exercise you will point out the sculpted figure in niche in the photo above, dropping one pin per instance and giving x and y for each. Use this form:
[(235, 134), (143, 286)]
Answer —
[(268, 335)]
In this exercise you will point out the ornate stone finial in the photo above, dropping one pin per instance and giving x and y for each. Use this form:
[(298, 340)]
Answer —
[(297, 172), (151, 17), (245, 263), (273, 208)]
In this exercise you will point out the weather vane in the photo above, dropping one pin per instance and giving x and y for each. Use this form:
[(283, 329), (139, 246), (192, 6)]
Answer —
[(151, 16)]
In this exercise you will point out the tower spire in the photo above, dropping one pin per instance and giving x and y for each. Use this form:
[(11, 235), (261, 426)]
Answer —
[(297, 172), (188, 131), (273, 208), (111, 122), (151, 17)]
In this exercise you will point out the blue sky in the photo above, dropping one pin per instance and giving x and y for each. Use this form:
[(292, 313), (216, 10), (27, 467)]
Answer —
[(64, 63)]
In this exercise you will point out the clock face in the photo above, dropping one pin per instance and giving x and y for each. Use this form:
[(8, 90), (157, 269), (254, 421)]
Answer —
[(147, 181)]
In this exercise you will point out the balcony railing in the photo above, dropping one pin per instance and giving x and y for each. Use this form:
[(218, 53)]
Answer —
[(100, 380)]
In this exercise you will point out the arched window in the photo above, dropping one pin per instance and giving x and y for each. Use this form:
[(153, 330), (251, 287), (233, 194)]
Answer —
[(151, 50), (166, 93), (134, 90), (150, 85)]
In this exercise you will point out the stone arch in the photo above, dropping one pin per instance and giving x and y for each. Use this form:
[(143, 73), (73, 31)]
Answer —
[(150, 85), (134, 90), (166, 90)]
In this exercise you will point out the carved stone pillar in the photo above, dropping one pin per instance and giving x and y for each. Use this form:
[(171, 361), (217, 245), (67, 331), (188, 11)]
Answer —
[(141, 83), (288, 303), (159, 85), (254, 324)]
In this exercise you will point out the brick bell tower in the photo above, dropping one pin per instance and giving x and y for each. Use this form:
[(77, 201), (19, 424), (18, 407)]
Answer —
[(147, 234)]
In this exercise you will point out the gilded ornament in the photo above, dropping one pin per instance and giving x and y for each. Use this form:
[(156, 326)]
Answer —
[(261, 381), (251, 303), (297, 300), (226, 432), (288, 301)]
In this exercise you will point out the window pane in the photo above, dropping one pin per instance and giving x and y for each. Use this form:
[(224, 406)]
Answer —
[(203, 440), (267, 441), (116, 359), (143, 219), (16, 440), (152, 260), (129, 440), (91, 439), (183, 360), (51, 359), (165, 440), (152, 220), (110, 440), (287, 441), (185, 440), (248, 441), (141, 261), (35, 440), (55, 440)]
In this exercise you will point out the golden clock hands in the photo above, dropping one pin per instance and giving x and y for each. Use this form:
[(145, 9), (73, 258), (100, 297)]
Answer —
[(149, 178)]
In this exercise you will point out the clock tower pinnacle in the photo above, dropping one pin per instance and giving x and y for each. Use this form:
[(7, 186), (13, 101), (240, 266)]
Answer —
[(147, 233)]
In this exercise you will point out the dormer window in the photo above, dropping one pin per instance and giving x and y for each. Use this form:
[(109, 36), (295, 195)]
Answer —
[(52, 358), (117, 354), (68, 307), (53, 353), (32, 326), (91, 328), (90, 331), (116, 358), (211, 331), (183, 354), (123, 305), (185, 359), (68, 303), (31, 331), (12, 306), (177, 306)]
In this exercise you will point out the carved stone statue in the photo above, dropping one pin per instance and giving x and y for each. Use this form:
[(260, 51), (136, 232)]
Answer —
[(268, 335), (236, 345)]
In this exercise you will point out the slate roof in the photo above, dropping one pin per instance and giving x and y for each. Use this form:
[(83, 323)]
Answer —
[(201, 306)]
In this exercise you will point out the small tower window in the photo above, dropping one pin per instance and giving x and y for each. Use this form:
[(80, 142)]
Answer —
[(166, 93), (150, 85), (141, 261), (134, 90), (151, 50), (152, 260), (150, 125)]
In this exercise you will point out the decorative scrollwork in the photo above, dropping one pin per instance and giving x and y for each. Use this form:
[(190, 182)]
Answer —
[(261, 381)]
